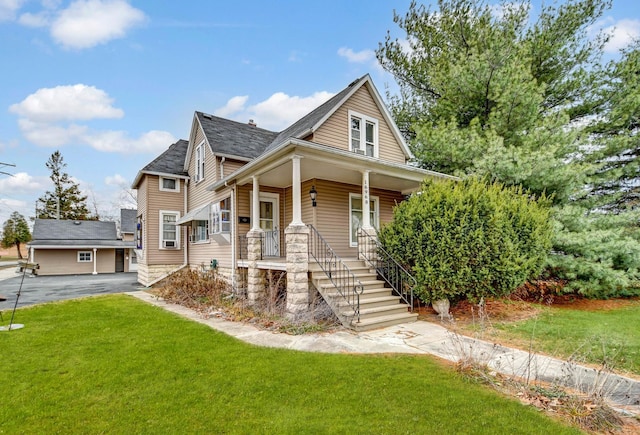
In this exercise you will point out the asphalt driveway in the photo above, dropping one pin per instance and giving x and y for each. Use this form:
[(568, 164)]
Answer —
[(39, 289)]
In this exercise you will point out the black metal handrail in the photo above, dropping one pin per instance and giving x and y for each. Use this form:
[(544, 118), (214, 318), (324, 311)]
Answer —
[(348, 286), (269, 242), (387, 267)]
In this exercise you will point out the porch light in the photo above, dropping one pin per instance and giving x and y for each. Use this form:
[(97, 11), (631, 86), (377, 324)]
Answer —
[(313, 193)]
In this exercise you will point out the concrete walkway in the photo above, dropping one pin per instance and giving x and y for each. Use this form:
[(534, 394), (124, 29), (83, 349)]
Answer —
[(430, 338)]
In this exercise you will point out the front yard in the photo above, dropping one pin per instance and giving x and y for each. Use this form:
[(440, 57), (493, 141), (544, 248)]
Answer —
[(116, 365)]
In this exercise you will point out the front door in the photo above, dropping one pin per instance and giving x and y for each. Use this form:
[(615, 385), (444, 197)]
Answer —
[(119, 260), (269, 224)]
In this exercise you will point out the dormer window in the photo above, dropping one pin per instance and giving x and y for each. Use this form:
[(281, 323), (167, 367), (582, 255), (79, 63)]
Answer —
[(169, 184), (363, 134)]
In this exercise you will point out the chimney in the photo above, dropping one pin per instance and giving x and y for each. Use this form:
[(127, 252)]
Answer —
[(252, 123)]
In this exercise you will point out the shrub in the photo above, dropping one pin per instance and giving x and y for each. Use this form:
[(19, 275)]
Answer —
[(469, 239)]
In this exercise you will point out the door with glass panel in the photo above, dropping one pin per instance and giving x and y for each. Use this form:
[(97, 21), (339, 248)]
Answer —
[(269, 224)]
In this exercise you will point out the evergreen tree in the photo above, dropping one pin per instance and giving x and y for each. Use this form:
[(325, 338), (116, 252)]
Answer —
[(66, 201), (15, 231), (484, 91)]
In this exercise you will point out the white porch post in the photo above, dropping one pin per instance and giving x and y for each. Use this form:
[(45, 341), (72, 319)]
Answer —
[(95, 261), (366, 206), (255, 206), (296, 189)]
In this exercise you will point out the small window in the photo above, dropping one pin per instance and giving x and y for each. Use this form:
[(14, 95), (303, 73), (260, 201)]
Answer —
[(169, 234), (200, 231), (363, 134), (199, 175), (139, 233), (85, 256), (221, 217), (169, 184)]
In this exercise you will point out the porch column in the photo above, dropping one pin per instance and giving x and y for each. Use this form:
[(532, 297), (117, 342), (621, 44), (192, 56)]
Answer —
[(296, 189), (255, 276), (297, 239), (95, 261), (367, 233)]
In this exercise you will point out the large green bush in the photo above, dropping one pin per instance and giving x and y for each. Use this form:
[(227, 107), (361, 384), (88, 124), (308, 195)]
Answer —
[(469, 239)]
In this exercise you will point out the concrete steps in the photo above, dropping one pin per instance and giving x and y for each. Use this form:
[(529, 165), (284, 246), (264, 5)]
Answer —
[(379, 307)]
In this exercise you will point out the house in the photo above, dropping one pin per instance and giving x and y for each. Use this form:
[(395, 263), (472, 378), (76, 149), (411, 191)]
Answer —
[(306, 200), (69, 247)]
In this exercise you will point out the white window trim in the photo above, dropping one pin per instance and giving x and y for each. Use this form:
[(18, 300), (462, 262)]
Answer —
[(376, 134), (164, 189), (200, 162), (161, 230), (215, 209), (376, 217), (90, 253), (194, 233)]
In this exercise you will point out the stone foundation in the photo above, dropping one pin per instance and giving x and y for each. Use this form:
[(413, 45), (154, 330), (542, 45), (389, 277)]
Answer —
[(297, 240), (255, 276)]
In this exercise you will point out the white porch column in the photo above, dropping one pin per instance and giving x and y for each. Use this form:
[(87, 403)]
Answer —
[(255, 206), (366, 206), (296, 189), (95, 261)]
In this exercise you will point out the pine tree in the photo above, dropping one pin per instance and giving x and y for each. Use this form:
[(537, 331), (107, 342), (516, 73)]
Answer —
[(15, 231), (66, 201)]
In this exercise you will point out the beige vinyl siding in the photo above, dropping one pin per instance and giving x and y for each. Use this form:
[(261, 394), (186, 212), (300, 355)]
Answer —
[(244, 208), (335, 131), (202, 253), (65, 261), (333, 214), (199, 136), (142, 196), (198, 193), (161, 200), (230, 166)]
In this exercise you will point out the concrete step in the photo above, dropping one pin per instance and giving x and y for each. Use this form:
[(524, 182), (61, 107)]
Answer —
[(377, 292), (383, 321), (366, 285), (382, 311)]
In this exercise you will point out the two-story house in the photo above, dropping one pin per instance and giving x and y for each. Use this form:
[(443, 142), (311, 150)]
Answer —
[(306, 200)]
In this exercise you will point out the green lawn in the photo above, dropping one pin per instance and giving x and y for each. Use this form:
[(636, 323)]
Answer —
[(114, 364), (593, 336)]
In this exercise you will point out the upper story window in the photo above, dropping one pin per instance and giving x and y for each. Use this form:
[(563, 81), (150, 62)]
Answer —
[(169, 184), (363, 134), (199, 175), (221, 217), (169, 234), (139, 233)]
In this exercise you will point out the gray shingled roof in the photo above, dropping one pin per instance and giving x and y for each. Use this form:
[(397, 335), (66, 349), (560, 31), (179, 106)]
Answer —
[(128, 220), (234, 138), (305, 123), (53, 229), (171, 161)]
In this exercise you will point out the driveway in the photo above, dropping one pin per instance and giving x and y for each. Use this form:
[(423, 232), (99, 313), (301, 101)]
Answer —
[(39, 289)]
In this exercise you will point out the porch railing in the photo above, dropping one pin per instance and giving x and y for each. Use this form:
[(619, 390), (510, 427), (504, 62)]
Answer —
[(269, 245), (387, 267), (345, 282)]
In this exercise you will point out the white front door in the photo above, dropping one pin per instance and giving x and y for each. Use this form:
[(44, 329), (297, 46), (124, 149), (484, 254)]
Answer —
[(269, 218)]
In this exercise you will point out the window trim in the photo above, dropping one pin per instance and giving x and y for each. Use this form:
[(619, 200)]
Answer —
[(376, 133), (89, 253), (376, 217), (161, 238), (164, 189), (216, 227), (200, 160), (195, 233)]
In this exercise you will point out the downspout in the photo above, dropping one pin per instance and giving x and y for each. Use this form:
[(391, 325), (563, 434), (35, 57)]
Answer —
[(234, 236)]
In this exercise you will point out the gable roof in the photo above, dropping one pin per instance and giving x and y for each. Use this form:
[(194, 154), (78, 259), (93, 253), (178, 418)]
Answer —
[(128, 220), (170, 162), (76, 233)]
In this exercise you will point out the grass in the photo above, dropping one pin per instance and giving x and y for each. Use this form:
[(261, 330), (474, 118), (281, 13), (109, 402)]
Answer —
[(116, 365), (597, 337)]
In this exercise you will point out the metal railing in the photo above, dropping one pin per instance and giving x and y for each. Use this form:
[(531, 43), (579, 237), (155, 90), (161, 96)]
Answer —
[(269, 245), (345, 282), (387, 267)]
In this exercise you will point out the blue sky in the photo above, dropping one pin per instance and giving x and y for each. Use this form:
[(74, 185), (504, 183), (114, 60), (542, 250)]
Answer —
[(112, 83)]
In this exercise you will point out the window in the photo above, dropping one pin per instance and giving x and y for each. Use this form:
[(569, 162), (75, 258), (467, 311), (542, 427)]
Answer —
[(199, 176), (169, 184), (85, 256), (363, 134), (355, 206), (200, 231), (221, 216), (169, 234), (139, 233)]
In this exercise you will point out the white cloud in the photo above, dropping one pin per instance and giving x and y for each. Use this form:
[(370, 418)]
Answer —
[(234, 105), (276, 112), (622, 34), (41, 19), (8, 9), (116, 180), (22, 183), (67, 103), (362, 56), (87, 23), (48, 118)]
